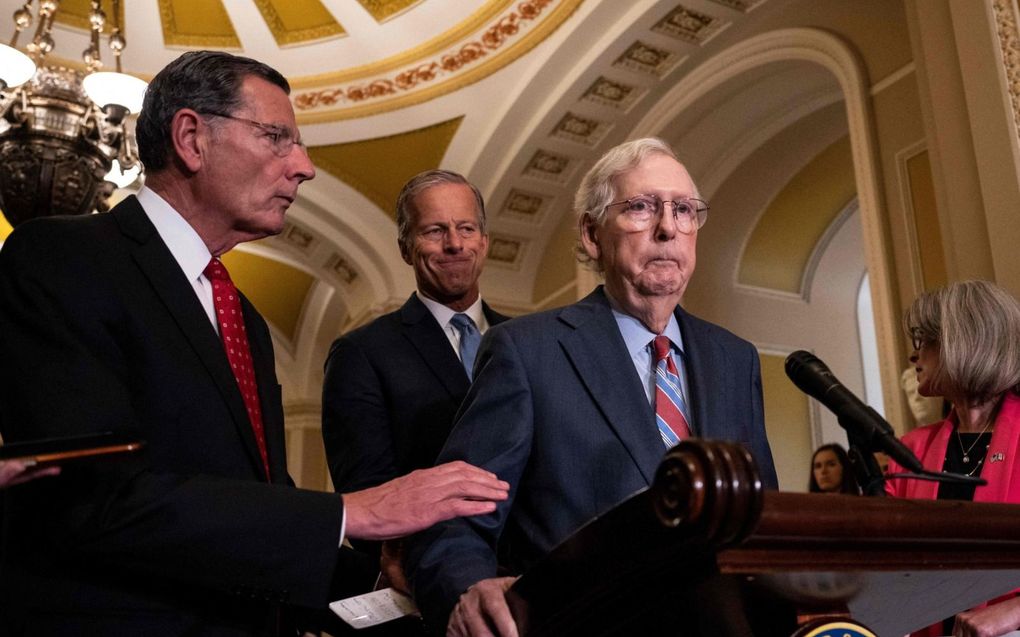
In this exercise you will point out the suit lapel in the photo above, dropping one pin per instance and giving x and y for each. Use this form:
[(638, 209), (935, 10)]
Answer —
[(706, 378), (427, 337), (600, 358), (492, 316), (164, 274), (263, 360)]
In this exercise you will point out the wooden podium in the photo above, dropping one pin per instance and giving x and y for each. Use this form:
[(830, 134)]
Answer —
[(706, 551)]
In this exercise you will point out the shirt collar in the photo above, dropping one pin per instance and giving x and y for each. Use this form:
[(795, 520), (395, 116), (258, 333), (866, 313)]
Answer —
[(637, 337), (443, 314), (185, 245)]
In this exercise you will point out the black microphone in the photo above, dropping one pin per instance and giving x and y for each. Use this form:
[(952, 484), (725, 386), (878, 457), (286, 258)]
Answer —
[(815, 379)]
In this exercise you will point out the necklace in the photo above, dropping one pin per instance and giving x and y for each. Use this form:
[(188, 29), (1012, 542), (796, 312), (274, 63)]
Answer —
[(966, 452), (976, 467)]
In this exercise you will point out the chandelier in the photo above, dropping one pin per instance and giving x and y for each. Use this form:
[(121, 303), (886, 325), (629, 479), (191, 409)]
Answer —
[(66, 141)]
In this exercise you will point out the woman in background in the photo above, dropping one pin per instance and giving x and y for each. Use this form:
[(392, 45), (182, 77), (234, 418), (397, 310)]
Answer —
[(966, 340), (831, 471)]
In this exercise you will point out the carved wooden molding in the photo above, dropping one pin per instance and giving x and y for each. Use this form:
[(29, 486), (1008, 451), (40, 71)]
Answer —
[(1006, 20)]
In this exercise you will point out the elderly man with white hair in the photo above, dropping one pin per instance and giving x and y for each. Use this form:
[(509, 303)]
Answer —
[(575, 407)]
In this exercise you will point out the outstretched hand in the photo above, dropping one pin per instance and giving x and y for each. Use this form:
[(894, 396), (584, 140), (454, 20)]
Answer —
[(482, 611), (420, 499), (15, 472)]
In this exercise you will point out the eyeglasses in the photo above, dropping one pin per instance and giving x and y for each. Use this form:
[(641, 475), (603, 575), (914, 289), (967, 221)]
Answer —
[(282, 140), (644, 211)]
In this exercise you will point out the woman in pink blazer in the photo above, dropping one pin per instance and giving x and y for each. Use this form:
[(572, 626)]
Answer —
[(966, 340)]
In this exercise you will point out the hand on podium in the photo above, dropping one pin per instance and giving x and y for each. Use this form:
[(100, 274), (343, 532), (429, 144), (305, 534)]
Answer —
[(483, 608), (990, 621), (391, 567)]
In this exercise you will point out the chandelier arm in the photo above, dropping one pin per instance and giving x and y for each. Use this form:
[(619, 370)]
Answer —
[(22, 21), (43, 40), (117, 40)]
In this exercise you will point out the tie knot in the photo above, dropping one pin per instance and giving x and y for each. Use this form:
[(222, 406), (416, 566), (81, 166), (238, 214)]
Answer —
[(661, 345), (463, 323), (215, 271)]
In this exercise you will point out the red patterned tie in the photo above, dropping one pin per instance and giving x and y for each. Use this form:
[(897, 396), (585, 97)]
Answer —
[(669, 400), (227, 304)]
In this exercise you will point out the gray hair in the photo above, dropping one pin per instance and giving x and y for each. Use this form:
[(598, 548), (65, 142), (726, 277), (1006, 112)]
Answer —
[(204, 81), (597, 190), (418, 184), (976, 325)]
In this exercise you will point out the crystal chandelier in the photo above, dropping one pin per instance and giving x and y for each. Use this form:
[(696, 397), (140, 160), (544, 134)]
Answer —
[(66, 141)]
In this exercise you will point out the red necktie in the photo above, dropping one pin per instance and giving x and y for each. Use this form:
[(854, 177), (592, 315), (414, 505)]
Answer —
[(669, 399), (227, 304)]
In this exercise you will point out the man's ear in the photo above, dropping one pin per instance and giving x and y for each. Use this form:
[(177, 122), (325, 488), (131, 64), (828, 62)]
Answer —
[(405, 254), (589, 236), (188, 134)]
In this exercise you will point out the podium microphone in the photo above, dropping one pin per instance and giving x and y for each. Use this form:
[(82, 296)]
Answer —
[(815, 379)]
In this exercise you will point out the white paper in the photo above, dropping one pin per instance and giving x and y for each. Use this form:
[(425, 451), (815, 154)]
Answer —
[(374, 608), (924, 597)]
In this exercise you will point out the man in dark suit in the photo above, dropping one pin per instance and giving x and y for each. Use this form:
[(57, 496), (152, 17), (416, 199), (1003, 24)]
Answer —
[(576, 407), (127, 321), (392, 387)]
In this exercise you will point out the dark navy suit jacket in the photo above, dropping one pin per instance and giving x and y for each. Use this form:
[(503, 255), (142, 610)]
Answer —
[(100, 330), (558, 411), (391, 391)]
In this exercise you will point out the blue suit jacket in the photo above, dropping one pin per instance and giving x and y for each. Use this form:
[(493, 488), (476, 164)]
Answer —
[(558, 411)]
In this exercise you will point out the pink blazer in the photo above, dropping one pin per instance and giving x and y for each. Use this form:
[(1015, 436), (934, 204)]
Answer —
[(1001, 467)]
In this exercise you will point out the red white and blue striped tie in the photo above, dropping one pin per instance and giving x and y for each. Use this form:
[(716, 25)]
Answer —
[(669, 397)]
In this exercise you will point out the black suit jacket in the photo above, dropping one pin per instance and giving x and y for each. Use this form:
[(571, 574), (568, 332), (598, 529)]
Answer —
[(100, 330), (391, 391), (558, 411)]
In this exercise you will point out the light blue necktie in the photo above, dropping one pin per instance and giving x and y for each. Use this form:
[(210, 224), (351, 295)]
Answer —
[(470, 337)]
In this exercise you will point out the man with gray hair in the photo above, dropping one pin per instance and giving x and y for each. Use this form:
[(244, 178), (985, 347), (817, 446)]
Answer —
[(575, 407), (128, 321), (393, 386)]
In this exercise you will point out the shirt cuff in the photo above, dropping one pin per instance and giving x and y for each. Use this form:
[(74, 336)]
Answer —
[(343, 527)]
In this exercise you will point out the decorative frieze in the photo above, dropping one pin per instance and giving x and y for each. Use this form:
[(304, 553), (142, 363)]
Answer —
[(645, 58), (688, 25), (549, 166), (610, 93), (581, 130)]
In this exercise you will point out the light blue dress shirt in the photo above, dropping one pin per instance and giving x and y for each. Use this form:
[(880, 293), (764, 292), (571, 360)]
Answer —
[(638, 340)]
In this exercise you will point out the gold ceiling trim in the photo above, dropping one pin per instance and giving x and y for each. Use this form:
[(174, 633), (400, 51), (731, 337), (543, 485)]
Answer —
[(284, 35), (463, 65), (379, 167), (75, 13), (441, 42), (383, 10), (172, 36)]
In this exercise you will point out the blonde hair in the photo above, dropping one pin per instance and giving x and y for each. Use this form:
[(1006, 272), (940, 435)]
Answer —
[(976, 326)]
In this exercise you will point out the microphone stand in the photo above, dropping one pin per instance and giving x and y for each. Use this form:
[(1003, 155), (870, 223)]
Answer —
[(862, 460), (870, 477)]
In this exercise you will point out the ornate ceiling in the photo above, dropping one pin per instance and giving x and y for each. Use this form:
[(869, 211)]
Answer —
[(521, 96)]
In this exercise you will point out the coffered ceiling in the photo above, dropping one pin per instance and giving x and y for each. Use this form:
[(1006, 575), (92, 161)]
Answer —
[(519, 95)]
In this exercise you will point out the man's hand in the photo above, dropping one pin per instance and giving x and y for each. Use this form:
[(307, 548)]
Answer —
[(391, 565), (990, 621), (483, 612), (15, 472), (410, 503)]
